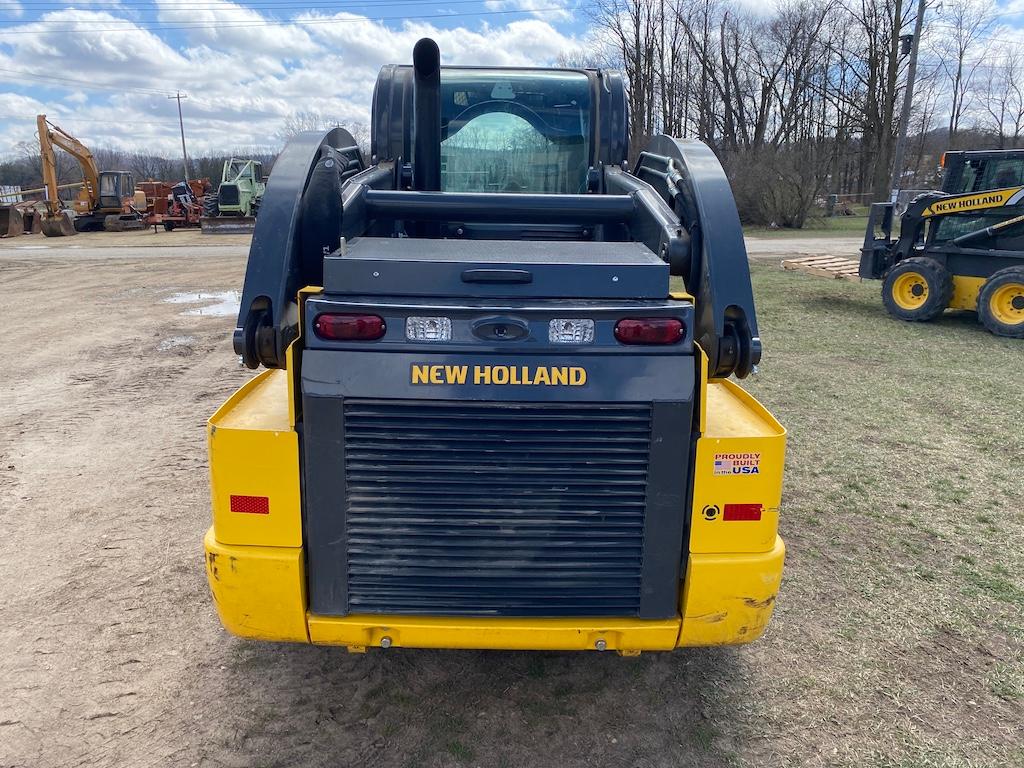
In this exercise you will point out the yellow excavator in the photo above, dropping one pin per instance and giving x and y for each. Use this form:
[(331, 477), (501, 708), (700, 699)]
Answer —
[(105, 200)]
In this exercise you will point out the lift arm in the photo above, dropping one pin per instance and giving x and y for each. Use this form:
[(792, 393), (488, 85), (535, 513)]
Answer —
[(51, 136)]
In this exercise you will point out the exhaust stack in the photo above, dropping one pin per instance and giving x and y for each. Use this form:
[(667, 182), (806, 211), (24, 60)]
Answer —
[(426, 96)]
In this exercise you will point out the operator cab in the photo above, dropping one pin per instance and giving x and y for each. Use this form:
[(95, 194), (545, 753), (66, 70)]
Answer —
[(115, 186), (982, 171), (975, 172), (514, 131)]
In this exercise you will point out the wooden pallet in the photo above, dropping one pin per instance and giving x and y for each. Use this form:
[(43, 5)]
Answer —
[(825, 266)]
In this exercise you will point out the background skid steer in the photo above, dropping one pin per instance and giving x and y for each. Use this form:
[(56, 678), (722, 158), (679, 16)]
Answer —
[(960, 248), (486, 421)]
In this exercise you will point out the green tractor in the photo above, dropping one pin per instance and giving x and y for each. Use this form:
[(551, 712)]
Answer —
[(234, 207)]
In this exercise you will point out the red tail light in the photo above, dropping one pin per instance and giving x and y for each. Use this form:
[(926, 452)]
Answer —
[(650, 330), (338, 327)]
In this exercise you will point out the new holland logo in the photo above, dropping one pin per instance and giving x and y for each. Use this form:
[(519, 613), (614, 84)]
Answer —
[(500, 375), (996, 198)]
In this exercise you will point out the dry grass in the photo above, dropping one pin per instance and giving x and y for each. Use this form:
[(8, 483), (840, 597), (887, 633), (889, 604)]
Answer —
[(904, 593)]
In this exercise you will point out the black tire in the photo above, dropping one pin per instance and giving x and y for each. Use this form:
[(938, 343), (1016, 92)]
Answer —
[(254, 207), (917, 289), (1001, 303), (211, 208), (169, 226)]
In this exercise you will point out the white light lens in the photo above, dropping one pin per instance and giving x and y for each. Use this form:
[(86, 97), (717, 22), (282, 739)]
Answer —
[(428, 329), (570, 331)]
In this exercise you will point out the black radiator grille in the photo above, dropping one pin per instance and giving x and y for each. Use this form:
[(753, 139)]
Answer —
[(228, 194), (495, 508)]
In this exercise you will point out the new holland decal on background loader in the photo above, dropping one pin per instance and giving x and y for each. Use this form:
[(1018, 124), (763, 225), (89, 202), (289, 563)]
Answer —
[(486, 421)]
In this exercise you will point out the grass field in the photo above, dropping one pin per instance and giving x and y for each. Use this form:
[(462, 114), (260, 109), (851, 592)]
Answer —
[(841, 226), (898, 640), (903, 603)]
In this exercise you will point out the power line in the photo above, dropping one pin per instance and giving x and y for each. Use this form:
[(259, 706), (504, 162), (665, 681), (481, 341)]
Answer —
[(193, 6), (225, 4), (257, 5), (119, 89), (263, 23), (45, 78), (981, 40), (227, 122)]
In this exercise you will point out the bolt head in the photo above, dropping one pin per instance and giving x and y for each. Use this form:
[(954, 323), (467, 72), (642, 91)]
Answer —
[(385, 642), (601, 645)]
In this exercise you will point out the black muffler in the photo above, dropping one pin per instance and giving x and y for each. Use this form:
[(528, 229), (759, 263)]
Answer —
[(426, 97)]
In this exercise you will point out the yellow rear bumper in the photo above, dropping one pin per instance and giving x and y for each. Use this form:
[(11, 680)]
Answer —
[(260, 593)]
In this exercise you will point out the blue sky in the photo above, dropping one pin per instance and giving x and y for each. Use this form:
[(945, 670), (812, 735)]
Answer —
[(102, 69)]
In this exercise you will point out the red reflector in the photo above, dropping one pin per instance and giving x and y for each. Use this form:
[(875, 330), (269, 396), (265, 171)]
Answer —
[(741, 512), (335, 327), (650, 330), (252, 505)]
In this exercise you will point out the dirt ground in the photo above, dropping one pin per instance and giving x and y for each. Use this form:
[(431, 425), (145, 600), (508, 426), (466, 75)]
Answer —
[(776, 248), (898, 638)]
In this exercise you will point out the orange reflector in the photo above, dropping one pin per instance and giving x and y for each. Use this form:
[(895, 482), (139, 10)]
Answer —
[(252, 505), (742, 512)]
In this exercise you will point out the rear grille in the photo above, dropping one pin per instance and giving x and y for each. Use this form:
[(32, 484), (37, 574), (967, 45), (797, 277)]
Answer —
[(228, 194), (503, 509)]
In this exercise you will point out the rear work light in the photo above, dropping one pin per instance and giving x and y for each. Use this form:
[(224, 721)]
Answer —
[(428, 328), (345, 327), (571, 331), (650, 330)]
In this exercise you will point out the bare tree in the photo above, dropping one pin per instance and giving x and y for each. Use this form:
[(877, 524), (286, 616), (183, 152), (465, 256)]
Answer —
[(1002, 94), (632, 29), (967, 24), (298, 122)]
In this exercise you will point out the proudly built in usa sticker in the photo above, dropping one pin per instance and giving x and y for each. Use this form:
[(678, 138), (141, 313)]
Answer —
[(737, 463)]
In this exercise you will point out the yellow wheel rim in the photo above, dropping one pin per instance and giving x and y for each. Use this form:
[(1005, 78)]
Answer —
[(910, 291), (1007, 304)]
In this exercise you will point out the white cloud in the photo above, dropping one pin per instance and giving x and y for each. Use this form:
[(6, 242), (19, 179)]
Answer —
[(12, 104), (241, 28), (242, 81), (552, 9), (368, 45), (12, 8), (70, 43)]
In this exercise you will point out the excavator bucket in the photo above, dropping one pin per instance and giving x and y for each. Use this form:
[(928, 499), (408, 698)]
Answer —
[(32, 217), (12, 222), (58, 225), (227, 225)]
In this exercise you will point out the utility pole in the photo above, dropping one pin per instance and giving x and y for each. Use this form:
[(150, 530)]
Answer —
[(181, 124), (908, 100)]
